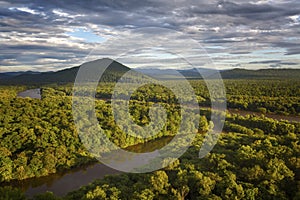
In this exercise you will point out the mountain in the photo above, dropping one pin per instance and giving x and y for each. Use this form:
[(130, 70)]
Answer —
[(246, 74), (116, 70), (113, 72), (171, 74), (12, 74), (226, 74)]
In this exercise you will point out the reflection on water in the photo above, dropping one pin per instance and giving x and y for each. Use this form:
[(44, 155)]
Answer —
[(150, 146), (32, 93), (62, 183)]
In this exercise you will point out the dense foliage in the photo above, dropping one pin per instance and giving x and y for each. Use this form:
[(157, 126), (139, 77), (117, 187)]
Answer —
[(249, 165), (256, 157), (37, 137), (264, 96)]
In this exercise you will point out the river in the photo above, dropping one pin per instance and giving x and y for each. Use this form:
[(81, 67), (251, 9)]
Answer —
[(62, 183)]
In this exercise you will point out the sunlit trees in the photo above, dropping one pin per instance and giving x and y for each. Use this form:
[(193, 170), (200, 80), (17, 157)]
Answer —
[(256, 156), (103, 192)]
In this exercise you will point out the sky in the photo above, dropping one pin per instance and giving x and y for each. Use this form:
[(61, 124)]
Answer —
[(51, 35)]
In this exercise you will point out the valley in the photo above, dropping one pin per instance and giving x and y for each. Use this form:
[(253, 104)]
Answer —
[(256, 156)]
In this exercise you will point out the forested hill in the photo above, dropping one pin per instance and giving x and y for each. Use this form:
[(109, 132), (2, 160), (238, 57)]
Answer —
[(114, 71)]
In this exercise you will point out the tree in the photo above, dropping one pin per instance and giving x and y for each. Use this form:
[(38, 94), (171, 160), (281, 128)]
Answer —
[(160, 182), (103, 192)]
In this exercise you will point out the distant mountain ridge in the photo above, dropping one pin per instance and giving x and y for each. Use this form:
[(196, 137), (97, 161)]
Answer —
[(113, 72), (236, 73), (116, 70), (261, 74)]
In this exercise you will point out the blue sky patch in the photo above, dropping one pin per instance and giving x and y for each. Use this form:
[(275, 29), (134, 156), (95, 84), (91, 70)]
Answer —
[(87, 35)]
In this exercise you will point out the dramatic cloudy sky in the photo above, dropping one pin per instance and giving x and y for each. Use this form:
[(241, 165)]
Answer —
[(51, 35)]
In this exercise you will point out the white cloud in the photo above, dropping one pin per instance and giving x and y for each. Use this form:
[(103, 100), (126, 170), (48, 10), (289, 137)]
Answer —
[(295, 20), (61, 13), (27, 10)]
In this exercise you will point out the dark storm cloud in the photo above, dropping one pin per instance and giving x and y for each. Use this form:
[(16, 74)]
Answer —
[(248, 10), (289, 63), (293, 51), (265, 62), (241, 52), (274, 62), (40, 48), (237, 26), (292, 48), (115, 13)]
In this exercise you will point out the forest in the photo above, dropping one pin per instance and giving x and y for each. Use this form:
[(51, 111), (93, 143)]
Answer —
[(256, 157)]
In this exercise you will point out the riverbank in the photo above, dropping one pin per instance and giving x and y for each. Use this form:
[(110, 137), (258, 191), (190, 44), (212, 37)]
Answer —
[(291, 118)]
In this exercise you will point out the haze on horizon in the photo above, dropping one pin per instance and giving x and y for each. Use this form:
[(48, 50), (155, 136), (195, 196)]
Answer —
[(52, 35)]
